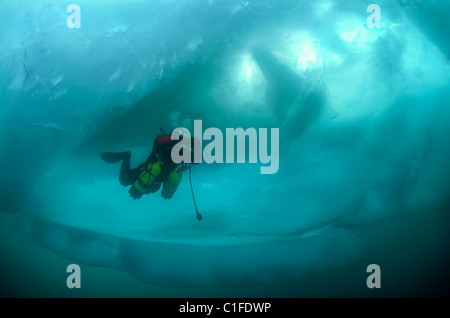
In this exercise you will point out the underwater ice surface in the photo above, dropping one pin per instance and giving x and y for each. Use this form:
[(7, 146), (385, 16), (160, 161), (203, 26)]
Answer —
[(364, 155)]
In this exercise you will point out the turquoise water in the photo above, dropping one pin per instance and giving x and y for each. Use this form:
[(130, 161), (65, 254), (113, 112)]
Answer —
[(362, 114)]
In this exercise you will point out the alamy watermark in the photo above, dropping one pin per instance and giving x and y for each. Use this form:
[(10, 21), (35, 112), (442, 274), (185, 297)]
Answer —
[(374, 279), (374, 20), (213, 152), (74, 19), (74, 279)]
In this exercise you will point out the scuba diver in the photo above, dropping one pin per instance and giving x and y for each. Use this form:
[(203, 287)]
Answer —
[(158, 169)]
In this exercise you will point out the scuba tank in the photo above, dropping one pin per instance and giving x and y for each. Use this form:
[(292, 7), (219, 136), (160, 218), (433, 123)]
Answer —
[(171, 184), (145, 183), (148, 182)]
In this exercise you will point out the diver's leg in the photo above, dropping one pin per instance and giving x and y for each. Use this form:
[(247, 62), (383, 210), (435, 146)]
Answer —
[(127, 175), (114, 157)]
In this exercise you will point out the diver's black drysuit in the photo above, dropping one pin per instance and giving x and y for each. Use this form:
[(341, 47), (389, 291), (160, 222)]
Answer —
[(161, 155)]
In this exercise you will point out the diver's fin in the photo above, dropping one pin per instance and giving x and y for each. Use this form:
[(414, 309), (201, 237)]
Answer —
[(113, 157)]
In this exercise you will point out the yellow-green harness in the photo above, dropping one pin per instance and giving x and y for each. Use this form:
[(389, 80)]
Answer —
[(150, 173)]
